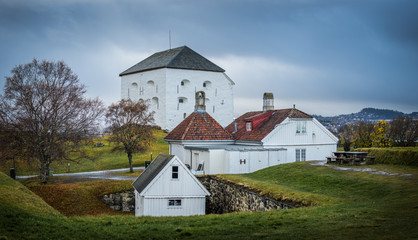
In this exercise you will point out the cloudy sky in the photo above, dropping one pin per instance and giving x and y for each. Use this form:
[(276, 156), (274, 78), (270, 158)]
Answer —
[(326, 56)]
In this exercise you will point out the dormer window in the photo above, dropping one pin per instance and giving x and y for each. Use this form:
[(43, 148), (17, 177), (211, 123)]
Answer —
[(249, 126), (175, 172)]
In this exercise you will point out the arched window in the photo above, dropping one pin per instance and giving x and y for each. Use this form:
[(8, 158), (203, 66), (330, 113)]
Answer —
[(185, 83), (133, 92), (207, 84), (155, 103)]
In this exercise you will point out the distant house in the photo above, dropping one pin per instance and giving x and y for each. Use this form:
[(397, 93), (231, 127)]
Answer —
[(170, 79), (168, 188), (256, 140)]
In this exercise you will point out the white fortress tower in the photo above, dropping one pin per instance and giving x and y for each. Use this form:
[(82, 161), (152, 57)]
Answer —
[(170, 79)]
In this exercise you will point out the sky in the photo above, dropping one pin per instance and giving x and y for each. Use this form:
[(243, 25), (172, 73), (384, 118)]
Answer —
[(328, 57)]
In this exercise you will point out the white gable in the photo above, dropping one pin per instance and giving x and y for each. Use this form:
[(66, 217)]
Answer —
[(284, 134), (163, 185)]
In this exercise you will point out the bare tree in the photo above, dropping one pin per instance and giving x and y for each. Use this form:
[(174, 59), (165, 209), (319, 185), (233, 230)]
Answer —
[(44, 107), (130, 125), (404, 131)]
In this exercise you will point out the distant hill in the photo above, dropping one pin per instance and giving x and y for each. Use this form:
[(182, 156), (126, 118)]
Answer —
[(366, 114)]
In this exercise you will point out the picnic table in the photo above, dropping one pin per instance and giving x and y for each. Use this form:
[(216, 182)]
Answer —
[(351, 158)]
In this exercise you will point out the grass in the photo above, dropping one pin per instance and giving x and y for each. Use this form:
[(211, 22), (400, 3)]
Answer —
[(106, 159), (343, 205)]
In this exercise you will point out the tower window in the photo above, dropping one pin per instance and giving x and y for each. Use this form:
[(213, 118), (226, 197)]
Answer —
[(204, 84), (180, 100)]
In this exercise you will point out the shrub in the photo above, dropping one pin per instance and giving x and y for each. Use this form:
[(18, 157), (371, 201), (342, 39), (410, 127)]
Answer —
[(396, 156)]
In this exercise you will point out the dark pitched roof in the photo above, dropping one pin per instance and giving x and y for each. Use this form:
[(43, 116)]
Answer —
[(262, 123), (180, 58), (151, 171), (199, 126)]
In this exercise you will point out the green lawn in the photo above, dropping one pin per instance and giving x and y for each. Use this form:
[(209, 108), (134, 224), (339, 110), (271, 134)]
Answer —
[(105, 159), (343, 205)]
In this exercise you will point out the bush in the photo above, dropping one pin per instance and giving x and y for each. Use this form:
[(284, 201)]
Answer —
[(396, 156)]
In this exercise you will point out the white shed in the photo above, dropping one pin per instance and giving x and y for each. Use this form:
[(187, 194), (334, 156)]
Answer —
[(168, 188)]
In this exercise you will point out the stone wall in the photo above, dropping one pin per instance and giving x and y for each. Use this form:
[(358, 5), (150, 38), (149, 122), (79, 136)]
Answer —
[(228, 197), (121, 201)]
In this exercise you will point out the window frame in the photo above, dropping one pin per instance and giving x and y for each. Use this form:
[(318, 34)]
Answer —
[(300, 154), (175, 172), (301, 127), (248, 126), (174, 203)]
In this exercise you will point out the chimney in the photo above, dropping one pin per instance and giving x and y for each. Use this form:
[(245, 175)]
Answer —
[(200, 102), (268, 102)]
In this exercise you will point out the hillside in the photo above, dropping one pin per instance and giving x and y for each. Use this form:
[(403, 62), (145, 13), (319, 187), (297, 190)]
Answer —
[(345, 205), (366, 114)]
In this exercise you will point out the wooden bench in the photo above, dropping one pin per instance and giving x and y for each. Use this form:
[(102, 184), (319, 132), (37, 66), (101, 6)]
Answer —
[(370, 160)]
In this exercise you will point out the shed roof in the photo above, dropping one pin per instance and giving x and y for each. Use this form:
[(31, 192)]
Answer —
[(179, 58), (151, 171), (263, 123), (199, 126)]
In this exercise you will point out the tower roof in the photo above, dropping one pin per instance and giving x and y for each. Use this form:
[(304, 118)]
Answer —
[(178, 58), (199, 126)]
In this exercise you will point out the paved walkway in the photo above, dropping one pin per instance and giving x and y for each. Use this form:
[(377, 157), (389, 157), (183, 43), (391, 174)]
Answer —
[(105, 174)]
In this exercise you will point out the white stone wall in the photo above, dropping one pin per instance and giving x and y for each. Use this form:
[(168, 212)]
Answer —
[(166, 86)]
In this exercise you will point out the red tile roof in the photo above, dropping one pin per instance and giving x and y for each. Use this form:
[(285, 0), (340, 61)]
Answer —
[(262, 123), (199, 126)]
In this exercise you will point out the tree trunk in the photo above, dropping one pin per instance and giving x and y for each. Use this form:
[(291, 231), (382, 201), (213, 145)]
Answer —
[(131, 169), (44, 174)]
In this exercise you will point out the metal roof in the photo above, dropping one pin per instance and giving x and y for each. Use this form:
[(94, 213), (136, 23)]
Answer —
[(179, 58), (151, 171)]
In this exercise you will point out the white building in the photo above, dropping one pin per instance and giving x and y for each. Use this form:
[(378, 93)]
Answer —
[(168, 188), (260, 139), (170, 79)]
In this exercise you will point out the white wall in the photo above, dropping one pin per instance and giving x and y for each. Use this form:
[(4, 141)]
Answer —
[(159, 206), (168, 89)]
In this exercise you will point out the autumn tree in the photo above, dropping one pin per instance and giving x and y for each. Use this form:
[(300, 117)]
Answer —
[(45, 114), (130, 127), (362, 134), (346, 136), (404, 131), (380, 134)]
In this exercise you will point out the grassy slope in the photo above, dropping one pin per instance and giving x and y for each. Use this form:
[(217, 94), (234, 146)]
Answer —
[(106, 159), (347, 205)]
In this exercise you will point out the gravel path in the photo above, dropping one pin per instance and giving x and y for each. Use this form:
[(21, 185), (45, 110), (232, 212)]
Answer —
[(106, 174), (354, 169)]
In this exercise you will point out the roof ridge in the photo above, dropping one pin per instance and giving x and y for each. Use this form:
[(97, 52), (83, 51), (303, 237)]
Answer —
[(182, 48)]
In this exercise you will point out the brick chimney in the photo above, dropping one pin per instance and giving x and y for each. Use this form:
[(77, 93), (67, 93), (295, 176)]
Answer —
[(268, 102)]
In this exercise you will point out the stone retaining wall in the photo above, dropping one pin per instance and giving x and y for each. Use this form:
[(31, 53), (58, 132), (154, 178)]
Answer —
[(121, 201), (225, 197), (228, 197)]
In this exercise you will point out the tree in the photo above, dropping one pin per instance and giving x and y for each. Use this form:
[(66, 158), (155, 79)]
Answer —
[(380, 135), (404, 131), (130, 127), (45, 110), (346, 136), (362, 131)]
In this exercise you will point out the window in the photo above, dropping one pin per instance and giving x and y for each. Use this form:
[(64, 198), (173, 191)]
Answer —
[(184, 115), (214, 108), (301, 127), (182, 83), (204, 84), (174, 203), (300, 155), (180, 100), (248, 126), (175, 172)]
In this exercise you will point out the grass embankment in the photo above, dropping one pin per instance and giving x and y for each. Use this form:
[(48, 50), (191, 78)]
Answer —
[(395, 155), (73, 197), (345, 205), (104, 158)]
